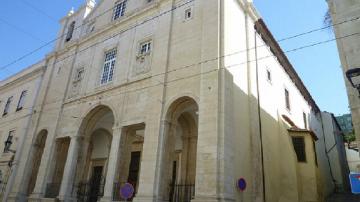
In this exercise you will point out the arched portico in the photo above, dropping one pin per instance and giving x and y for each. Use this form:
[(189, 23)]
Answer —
[(88, 157), (38, 149), (178, 158)]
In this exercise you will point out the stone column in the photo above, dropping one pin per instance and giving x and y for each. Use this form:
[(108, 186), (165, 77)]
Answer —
[(151, 171), (112, 165), (65, 193)]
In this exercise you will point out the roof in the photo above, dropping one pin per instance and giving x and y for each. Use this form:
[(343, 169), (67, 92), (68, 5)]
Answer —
[(295, 128), (269, 39), (299, 130)]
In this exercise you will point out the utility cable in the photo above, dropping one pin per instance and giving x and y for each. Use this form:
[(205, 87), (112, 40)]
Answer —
[(281, 40), (193, 75), (39, 10)]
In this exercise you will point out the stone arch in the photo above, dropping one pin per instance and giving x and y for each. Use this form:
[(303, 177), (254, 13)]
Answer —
[(96, 131), (38, 150), (179, 142), (174, 101), (91, 110), (92, 115)]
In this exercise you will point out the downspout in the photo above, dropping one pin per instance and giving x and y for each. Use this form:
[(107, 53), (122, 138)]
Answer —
[(259, 117), (163, 129)]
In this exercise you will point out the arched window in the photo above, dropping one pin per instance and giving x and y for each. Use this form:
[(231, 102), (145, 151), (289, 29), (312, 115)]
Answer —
[(70, 31)]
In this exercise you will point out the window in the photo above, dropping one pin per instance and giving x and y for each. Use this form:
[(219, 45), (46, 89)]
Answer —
[(8, 141), (145, 48), (79, 74), (119, 9), (299, 146), (316, 163), (108, 69), (188, 14), (21, 101), (268, 75), (305, 120), (7, 106), (287, 99), (70, 31)]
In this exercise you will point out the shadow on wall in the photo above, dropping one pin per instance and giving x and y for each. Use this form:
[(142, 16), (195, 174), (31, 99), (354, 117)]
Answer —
[(282, 169)]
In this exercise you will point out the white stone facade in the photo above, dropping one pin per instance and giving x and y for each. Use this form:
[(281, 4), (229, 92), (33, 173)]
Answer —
[(173, 97)]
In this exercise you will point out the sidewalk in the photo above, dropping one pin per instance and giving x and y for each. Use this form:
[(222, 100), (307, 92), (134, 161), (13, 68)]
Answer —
[(343, 198)]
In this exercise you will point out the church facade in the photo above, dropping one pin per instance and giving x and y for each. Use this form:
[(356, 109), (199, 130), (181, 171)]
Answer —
[(182, 99)]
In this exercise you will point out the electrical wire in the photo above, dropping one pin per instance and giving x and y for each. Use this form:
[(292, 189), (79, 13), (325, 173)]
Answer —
[(281, 40), (39, 10), (191, 76)]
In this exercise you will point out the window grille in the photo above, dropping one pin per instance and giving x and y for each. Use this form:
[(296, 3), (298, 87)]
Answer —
[(299, 146), (145, 48), (109, 65), (119, 9)]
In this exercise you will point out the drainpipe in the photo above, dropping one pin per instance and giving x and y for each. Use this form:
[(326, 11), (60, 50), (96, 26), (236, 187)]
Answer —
[(259, 117)]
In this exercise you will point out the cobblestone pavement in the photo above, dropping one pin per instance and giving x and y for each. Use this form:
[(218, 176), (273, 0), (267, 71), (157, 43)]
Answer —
[(343, 198)]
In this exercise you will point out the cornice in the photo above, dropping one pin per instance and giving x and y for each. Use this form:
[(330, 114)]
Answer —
[(18, 78)]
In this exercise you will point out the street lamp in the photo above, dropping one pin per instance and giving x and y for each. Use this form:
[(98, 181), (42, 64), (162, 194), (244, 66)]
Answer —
[(353, 75)]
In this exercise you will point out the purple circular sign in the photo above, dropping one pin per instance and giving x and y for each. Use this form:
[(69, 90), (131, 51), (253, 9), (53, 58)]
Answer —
[(127, 191), (241, 184)]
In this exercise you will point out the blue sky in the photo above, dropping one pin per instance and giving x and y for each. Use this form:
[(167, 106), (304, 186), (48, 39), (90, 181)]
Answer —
[(27, 24)]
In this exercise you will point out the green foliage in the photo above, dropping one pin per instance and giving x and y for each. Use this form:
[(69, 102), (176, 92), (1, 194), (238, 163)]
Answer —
[(350, 137)]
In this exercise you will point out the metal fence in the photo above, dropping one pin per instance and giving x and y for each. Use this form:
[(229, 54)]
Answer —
[(90, 191), (182, 192), (52, 190)]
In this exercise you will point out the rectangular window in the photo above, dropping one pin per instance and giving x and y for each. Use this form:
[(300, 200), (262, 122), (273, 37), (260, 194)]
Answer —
[(188, 14), (268, 75), (305, 120), (79, 74), (8, 141), (119, 9), (145, 48), (7, 106), (316, 163), (287, 99), (21, 101), (70, 31), (109, 65), (299, 146)]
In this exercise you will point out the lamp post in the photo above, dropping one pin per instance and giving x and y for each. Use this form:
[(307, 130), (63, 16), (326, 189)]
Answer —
[(8, 143), (353, 75)]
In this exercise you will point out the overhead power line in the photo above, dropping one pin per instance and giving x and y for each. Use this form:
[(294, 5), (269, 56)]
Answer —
[(77, 27), (111, 9), (20, 30), (39, 10), (174, 69)]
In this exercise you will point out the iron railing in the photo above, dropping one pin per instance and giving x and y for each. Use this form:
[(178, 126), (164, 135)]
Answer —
[(182, 192), (90, 191), (52, 190)]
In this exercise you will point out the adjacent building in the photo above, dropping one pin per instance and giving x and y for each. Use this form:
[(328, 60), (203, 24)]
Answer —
[(179, 98), (17, 102), (345, 15), (335, 148)]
